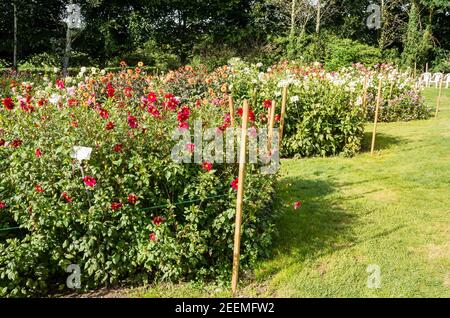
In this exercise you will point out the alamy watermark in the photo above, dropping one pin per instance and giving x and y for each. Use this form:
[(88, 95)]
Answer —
[(374, 278), (74, 279), (374, 20), (223, 146)]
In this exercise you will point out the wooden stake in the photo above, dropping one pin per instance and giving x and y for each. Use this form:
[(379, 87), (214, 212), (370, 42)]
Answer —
[(271, 124), (415, 70), (239, 201), (438, 103), (364, 98), (376, 117), (68, 50), (283, 111), (231, 102), (15, 38), (391, 89)]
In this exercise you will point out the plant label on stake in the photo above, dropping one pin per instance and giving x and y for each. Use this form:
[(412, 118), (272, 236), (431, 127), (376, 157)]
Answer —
[(74, 18), (82, 153)]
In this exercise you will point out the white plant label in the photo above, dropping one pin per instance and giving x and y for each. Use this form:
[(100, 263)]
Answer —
[(74, 17), (81, 153)]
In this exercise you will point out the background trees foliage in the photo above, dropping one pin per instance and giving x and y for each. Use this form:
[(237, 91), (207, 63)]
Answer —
[(172, 32)]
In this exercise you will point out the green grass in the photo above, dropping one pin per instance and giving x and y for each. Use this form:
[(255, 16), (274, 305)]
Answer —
[(392, 210)]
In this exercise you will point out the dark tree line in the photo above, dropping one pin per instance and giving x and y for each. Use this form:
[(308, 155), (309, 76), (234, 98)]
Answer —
[(175, 31)]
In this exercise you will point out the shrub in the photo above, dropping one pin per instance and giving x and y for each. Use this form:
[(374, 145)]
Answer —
[(400, 99), (322, 117), (151, 54), (322, 120), (345, 52), (41, 60), (147, 217), (442, 61)]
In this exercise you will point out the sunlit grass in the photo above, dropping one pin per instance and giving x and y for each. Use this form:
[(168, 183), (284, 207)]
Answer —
[(391, 210)]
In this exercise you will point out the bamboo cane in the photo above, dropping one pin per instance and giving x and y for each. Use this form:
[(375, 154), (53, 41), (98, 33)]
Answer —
[(271, 124), (231, 103), (364, 98), (438, 103), (391, 89), (376, 117), (239, 201), (283, 111)]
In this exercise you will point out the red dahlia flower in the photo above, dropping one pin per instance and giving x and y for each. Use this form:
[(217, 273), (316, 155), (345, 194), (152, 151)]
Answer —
[(8, 103), (267, 103), (297, 205), (184, 125), (66, 197), (157, 220), (151, 97), (38, 188), (234, 183), (128, 91), (60, 84), (104, 114), (183, 114), (132, 121), (152, 237), (118, 148), (132, 198), (207, 166), (190, 147), (2, 142), (26, 107), (110, 125), (2, 205), (251, 115), (89, 181), (110, 90), (16, 143), (116, 206), (38, 153), (153, 110), (171, 104)]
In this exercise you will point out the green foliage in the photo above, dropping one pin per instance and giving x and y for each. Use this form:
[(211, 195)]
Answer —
[(400, 99), (442, 61), (322, 121), (150, 54), (4, 63), (330, 50), (41, 60), (417, 40), (322, 118), (111, 245), (344, 52)]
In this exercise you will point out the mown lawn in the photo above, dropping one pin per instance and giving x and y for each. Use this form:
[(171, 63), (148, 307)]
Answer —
[(391, 210)]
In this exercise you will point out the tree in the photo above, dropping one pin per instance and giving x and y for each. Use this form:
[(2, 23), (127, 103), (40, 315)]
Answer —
[(417, 42), (393, 22)]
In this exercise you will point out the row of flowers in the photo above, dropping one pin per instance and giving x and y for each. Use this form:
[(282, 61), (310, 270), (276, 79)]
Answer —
[(120, 220)]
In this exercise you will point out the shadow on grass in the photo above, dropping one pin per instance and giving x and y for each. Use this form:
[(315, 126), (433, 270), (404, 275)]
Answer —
[(319, 227), (383, 141)]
